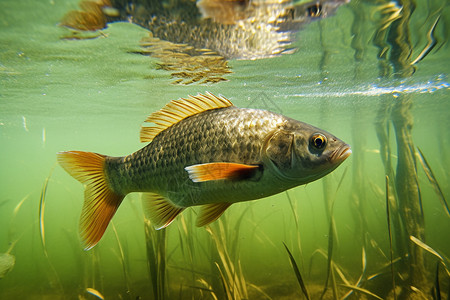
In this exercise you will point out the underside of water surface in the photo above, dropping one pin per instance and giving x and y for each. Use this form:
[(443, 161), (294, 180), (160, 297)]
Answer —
[(85, 75)]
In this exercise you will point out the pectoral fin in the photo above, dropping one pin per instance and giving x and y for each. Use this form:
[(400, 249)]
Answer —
[(211, 212), (159, 210), (221, 170)]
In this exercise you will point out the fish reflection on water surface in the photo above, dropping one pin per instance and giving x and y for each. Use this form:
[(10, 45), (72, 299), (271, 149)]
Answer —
[(234, 29), (206, 152)]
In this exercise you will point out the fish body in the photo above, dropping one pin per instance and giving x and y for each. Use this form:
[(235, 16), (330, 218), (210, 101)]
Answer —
[(203, 151)]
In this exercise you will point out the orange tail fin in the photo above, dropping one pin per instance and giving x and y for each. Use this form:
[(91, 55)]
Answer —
[(100, 202)]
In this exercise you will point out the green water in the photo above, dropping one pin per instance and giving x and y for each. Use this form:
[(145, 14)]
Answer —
[(93, 95)]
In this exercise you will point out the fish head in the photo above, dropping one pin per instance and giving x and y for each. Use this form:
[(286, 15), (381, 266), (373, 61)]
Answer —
[(304, 153)]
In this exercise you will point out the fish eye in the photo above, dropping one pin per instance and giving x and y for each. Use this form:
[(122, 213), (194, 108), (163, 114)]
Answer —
[(318, 141), (315, 10)]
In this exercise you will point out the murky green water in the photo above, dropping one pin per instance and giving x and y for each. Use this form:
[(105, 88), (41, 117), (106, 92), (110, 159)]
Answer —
[(93, 95)]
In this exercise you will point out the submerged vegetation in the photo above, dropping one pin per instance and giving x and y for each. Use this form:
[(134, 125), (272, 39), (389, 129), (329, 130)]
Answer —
[(377, 229)]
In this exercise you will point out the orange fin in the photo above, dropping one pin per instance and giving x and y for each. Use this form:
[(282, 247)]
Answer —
[(220, 170), (100, 202), (211, 212), (159, 210), (177, 110)]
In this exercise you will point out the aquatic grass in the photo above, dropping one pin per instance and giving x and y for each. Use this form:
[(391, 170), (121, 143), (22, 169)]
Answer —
[(259, 234), (205, 287), (432, 179), (436, 292), (298, 275), (190, 244), (391, 250), (296, 220), (419, 292), (332, 234), (15, 212), (395, 46), (383, 130), (77, 257), (429, 250), (361, 290), (121, 257), (186, 244), (230, 270), (374, 244), (236, 232), (227, 289), (335, 269), (383, 269), (361, 277), (225, 238), (155, 241), (42, 211), (19, 206), (186, 241), (259, 290), (93, 275), (42, 202), (431, 42)]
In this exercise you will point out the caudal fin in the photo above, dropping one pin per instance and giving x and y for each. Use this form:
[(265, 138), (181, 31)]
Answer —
[(100, 202)]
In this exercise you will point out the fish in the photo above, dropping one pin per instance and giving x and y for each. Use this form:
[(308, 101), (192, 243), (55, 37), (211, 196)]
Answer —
[(202, 151)]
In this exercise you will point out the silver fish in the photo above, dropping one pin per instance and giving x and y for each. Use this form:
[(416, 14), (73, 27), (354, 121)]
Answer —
[(203, 151)]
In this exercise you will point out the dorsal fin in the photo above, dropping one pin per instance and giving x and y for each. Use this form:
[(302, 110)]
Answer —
[(177, 110)]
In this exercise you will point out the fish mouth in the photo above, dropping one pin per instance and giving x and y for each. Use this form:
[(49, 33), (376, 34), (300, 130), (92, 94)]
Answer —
[(341, 153)]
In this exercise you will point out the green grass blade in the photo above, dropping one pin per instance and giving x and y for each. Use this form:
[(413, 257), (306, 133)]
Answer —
[(329, 254), (121, 256), (418, 292), (425, 247), (361, 290), (260, 291), (334, 285), (391, 251), (432, 180), (294, 212), (42, 209), (41, 213), (226, 287), (432, 42), (297, 273), (437, 288)]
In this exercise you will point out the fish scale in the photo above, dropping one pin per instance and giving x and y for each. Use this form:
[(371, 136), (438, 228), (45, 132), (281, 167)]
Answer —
[(202, 151), (202, 138)]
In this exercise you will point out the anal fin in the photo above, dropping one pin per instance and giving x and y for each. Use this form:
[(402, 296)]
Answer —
[(211, 212), (159, 210)]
